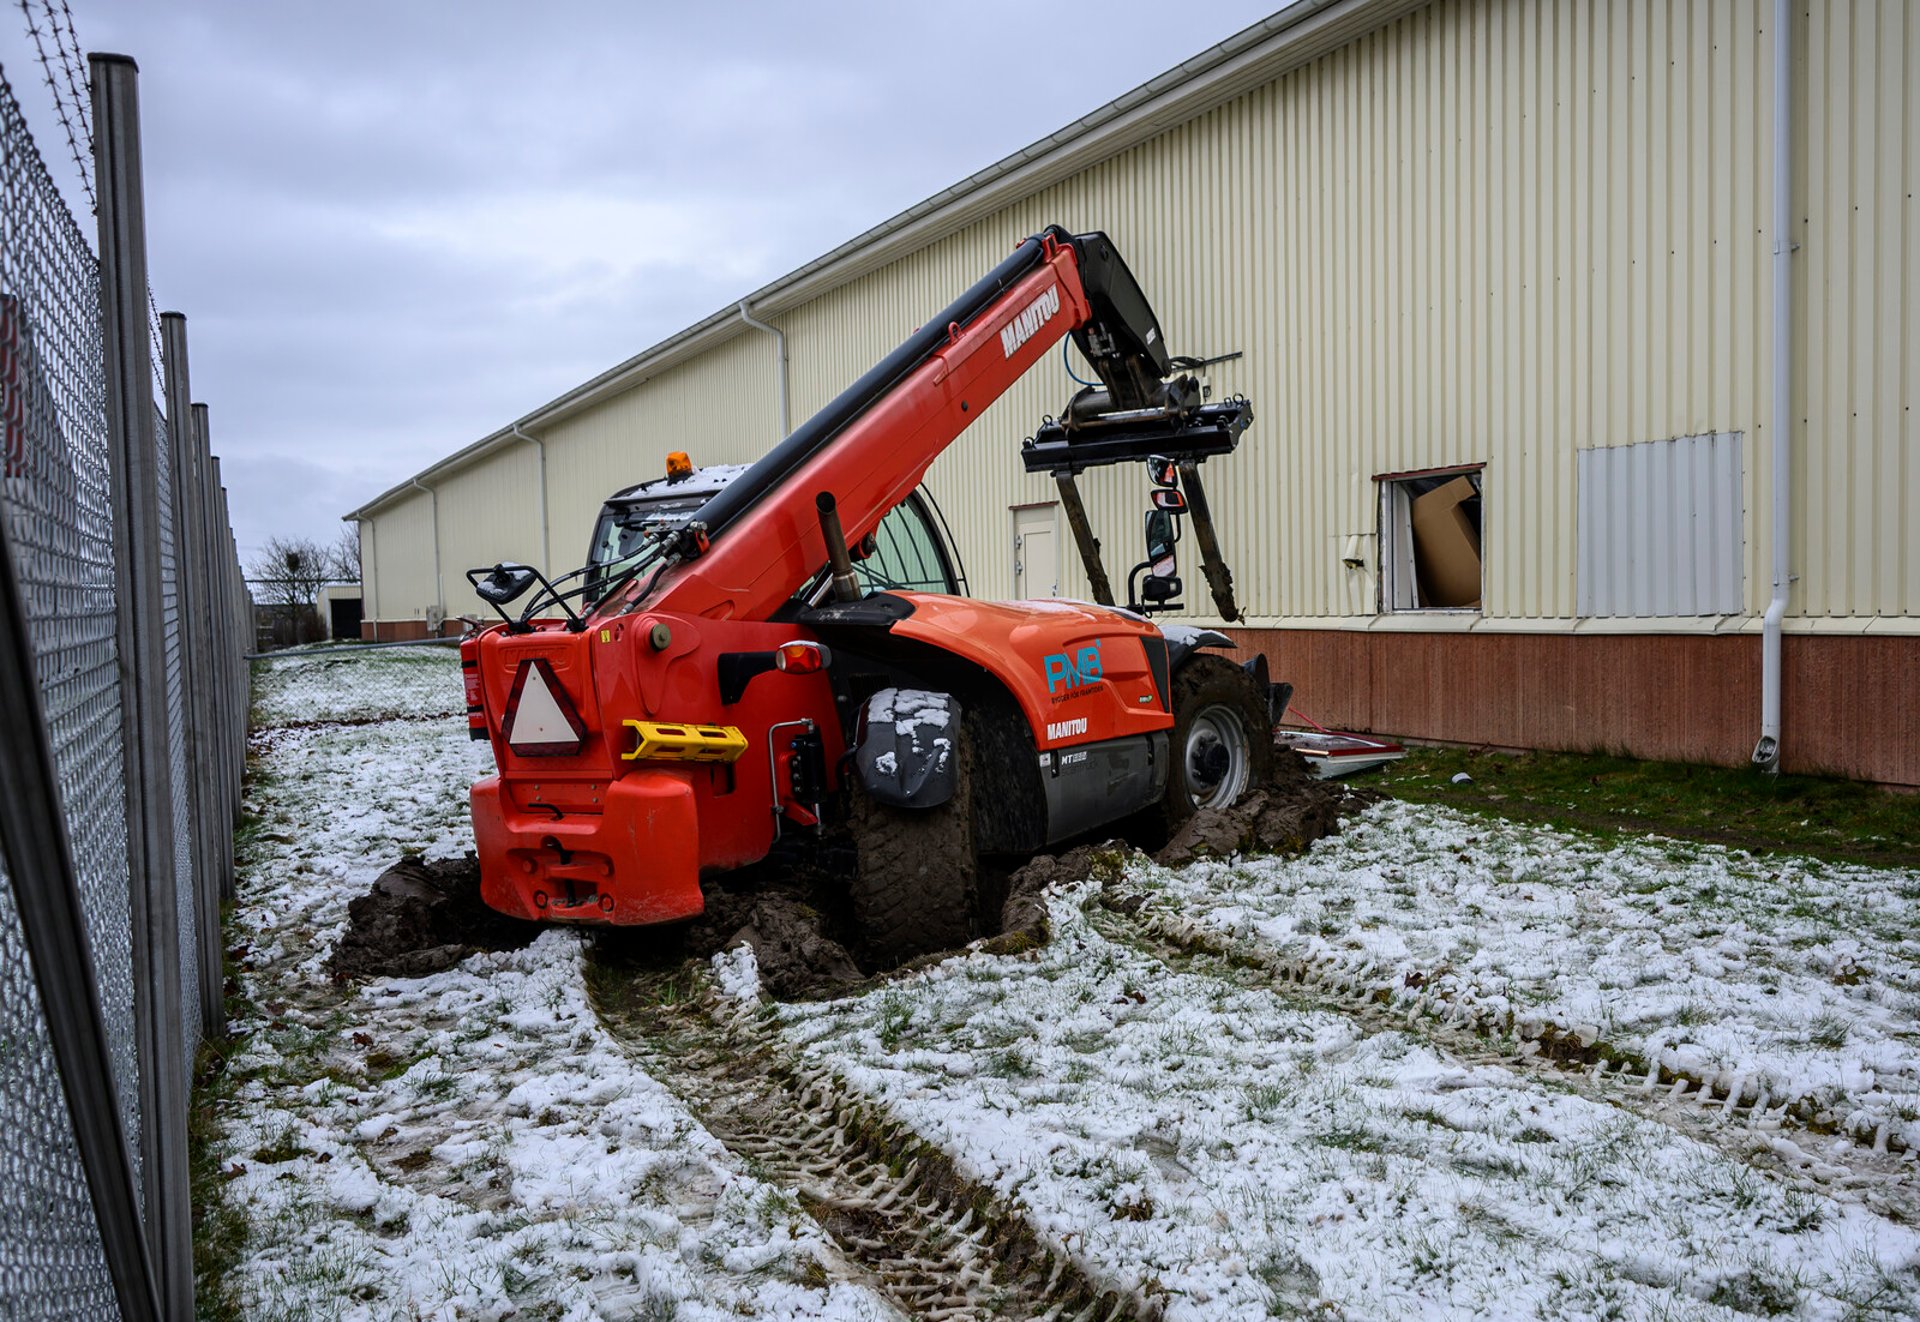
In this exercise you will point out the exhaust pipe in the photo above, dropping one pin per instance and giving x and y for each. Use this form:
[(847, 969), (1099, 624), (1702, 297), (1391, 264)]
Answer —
[(845, 586)]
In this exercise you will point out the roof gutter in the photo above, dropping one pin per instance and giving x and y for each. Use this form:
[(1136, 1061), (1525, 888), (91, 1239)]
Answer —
[(1297, 35), (780, 352)]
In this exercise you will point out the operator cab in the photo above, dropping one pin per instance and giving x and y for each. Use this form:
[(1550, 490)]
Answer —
[(911, 550)]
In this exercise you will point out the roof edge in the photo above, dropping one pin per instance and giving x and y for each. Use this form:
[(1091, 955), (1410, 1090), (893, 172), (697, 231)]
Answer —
[(1255, 55)]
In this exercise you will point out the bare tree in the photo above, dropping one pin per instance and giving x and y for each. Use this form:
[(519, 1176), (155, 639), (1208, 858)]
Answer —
[(346, 554), (286, 576)]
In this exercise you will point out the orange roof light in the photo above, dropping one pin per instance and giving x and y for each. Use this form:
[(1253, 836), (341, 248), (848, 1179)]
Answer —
[(679, 466)]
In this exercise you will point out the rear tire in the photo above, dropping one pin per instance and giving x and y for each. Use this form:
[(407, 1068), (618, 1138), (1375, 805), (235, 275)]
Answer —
[(915, 887), (1222, 745)]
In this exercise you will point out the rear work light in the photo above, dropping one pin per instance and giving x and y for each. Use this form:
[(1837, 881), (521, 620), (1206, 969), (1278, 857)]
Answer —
[(801, 658)]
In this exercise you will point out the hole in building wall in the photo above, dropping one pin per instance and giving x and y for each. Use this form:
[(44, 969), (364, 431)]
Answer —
[(1430, 540)]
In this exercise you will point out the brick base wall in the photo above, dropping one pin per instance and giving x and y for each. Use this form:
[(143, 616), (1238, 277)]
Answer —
[(1850, 705), (403, 631)]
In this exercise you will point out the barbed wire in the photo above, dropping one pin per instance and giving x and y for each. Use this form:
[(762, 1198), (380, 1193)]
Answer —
[(69, 103)]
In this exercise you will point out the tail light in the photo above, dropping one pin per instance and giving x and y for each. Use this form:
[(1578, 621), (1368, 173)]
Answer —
[(470, 675), (801, 658)]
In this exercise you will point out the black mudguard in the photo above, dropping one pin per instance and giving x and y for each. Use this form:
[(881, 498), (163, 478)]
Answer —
[(1184, 640), (904, 747)]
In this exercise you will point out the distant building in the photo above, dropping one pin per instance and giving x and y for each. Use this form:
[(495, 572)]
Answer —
[(1502, 276)]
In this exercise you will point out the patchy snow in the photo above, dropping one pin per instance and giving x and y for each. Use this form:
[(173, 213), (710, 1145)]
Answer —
[(737, 973), (472, 1144), (908, 710), (1229, 1154), (1788, 974), (475, 1144), (351, 682)]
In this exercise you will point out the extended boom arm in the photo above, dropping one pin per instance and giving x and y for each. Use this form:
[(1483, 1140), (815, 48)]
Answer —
[(754, 543)]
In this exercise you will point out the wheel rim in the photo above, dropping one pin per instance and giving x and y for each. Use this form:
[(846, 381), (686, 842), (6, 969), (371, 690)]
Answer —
[(1217, 757)]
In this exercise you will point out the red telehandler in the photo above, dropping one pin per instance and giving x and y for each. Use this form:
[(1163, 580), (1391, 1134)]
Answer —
[(724, 670)]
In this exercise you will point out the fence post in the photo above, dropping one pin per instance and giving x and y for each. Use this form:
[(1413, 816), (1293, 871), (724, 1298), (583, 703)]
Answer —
[(240, 695), (226, 771), (133, 450), (193, 583)]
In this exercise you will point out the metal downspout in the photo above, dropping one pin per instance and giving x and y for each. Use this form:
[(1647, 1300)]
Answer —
[(439, 588), (546, 541), (370, 582), (780, 348), (1766, 754)]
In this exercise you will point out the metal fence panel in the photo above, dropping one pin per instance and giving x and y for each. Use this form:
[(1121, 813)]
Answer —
[(58, 508), (52, 1265), (69, 410), (176, 730)]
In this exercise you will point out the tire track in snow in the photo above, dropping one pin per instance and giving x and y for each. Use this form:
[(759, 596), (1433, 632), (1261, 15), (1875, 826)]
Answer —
[(910, 1226), (1743, 1122)]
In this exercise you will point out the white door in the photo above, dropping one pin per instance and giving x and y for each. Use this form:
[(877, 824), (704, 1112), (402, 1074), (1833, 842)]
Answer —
[(1036, 564)]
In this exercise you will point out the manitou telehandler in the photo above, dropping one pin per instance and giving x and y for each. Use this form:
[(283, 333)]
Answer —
[(753, 651)]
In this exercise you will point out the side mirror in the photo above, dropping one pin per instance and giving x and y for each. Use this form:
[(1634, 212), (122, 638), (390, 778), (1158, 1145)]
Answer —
[(506, 583), (1162, 471), (1162, 533), (1170, 501)]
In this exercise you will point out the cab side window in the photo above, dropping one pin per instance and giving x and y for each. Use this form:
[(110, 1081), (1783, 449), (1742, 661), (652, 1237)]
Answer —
[(907, 554)]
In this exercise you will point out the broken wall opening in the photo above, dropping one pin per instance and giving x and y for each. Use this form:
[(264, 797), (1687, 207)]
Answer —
[(1430, 525)]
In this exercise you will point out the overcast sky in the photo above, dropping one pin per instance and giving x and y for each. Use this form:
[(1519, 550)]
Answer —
[(396, 227)]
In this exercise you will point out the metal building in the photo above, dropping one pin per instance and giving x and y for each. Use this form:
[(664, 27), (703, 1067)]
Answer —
[(1523, 255)]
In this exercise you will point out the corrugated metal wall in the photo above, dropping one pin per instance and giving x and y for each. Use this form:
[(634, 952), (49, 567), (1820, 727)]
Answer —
[(721, 407), (1661, 528), (1493, 230), (1858, 524), (399, 576)]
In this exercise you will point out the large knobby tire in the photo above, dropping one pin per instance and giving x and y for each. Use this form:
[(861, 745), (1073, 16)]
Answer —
[(1221, 746), (914, 890)]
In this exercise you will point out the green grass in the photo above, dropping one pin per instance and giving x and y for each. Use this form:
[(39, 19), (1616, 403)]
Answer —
[(1837, 819)]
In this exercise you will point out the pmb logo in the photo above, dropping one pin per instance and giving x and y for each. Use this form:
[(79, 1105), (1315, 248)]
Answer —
[(1071, 672)]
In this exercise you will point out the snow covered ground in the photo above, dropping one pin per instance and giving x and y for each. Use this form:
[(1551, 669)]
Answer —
[(472, 1144), (1234, 1155), (1790, 975), (476, 1144)]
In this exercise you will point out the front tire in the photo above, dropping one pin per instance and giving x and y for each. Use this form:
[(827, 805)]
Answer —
[(915, 887), (1221, 745)]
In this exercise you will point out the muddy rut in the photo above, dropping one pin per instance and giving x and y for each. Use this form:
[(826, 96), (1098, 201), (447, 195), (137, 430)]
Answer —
[(907, 1224)]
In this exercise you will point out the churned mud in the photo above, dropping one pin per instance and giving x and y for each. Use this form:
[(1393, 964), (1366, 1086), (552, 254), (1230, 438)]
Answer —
[(422, 917)]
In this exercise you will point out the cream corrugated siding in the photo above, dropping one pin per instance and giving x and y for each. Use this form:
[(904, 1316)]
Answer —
[(720, 407), (489, 512), (1489, 231), (1859, 472), (403, 573)]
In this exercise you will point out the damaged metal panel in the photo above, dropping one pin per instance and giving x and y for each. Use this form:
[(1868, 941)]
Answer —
[(1662, 528)]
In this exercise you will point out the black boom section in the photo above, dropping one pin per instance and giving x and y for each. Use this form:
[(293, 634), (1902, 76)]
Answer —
[(1122, 337), (813, 435)]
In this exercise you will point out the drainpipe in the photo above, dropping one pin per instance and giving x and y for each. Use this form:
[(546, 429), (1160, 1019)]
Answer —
[(370, 573), (439, 588), (779, 348), (546, 543), (1766, 754)]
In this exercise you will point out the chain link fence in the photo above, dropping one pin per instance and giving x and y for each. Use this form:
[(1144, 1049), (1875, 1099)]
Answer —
[(358, 683), (123, 700)]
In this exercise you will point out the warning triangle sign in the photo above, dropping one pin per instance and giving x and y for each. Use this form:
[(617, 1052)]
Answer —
[(541, 720)]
